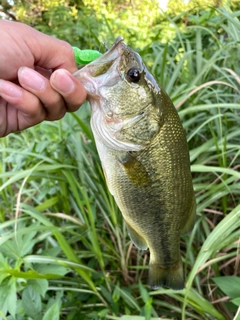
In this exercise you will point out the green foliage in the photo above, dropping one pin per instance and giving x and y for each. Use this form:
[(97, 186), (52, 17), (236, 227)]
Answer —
[(86, 24), (64, 249), (229, 285)]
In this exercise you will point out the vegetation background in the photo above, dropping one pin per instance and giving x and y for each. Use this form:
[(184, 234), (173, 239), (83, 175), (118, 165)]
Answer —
[(64, 249)]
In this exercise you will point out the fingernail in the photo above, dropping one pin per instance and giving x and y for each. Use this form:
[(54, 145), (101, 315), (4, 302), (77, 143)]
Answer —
[(62, 81), (9, 89), (31, 79)]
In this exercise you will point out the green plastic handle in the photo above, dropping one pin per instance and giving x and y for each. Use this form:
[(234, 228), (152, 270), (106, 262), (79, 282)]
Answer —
[(85, 56)]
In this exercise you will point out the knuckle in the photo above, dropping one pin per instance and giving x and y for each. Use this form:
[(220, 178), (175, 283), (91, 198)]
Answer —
[(54, 99), (55, 109), (52, 116), (73, 108)]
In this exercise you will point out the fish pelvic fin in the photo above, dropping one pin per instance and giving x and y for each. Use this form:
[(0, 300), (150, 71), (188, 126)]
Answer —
[(172, 278), (139, 242), (191, 219)]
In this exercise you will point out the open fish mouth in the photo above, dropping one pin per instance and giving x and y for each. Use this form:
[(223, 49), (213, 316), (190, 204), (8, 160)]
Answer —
[(105, 69)]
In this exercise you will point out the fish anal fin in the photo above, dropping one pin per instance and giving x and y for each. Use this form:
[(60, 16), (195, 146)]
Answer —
[(135, 170), (172, 278), (191, 219), (139, 242)]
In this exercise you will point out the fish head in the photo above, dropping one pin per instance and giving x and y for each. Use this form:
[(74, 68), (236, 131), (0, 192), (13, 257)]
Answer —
[(123, 96)]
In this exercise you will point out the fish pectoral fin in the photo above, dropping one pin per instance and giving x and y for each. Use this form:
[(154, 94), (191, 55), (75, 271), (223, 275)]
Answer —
[(139, 242), (191, 219), (135, 170)]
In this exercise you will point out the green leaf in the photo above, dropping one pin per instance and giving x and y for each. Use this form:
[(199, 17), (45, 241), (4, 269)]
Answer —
[(31, 274), (106, 294), (103, 313), (39, 285), (236, 301), (230, 285), (31, 301), (47, 204), (68, 250), (129, 299), (51, 269), (53, 313), (116, 293), (144, 292), (4, 267), (148, 309), (20, 245), (139, 318), (8, 297), (12, 297)]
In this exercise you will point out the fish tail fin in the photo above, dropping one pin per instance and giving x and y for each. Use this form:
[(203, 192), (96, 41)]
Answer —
[(169, 277)]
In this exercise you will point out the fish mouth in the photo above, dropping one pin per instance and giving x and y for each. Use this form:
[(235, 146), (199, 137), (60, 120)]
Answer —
[(104, 70)]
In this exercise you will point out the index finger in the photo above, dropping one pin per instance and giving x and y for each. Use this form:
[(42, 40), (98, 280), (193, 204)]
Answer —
[(49, 52)]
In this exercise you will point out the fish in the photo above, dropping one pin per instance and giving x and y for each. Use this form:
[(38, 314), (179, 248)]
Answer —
[(144, 155)]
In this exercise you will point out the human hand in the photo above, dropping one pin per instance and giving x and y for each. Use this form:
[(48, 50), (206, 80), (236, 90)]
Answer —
[(35, 78)]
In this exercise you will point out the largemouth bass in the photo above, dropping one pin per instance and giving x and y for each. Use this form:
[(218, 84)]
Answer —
[(144, 156)]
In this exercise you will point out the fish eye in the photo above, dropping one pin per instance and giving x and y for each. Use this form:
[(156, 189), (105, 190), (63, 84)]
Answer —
[(133, 74)]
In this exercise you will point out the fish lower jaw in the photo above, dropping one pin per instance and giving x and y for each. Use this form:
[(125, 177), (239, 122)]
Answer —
[(92, 89), (91, 86)]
